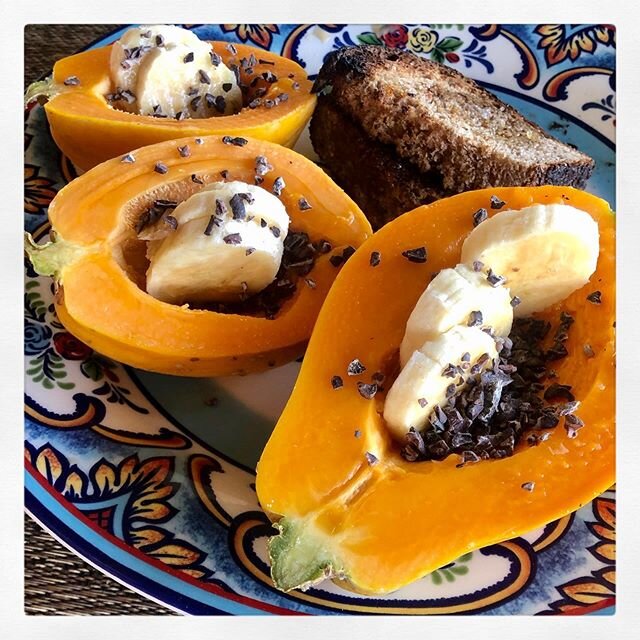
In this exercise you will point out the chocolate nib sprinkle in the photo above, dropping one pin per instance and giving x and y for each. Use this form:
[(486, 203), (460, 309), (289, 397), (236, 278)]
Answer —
[(303, 204), (278, 186), (475, 319), (160, 167), (367, 391), (558, 393), (528, 486), (238, 207), (128, 159), (231, 49), (374, 259), (588, 351), (194, 178), (226, 86), (184, 151), (72, 81), (262, 166), (213, 222), (336, 382), (215, 59), (189, 57), (233, 238), (478, 266), (357, 433), (355, 367), (500, 405), (479, 216), (199, 141), (371, 459), (515, 301), (238, 142), (422, 402), (159, 41), (275, 230), (496, 203), (204, 77), (494, 279), (418, 255), (595, 297), (171, 221)]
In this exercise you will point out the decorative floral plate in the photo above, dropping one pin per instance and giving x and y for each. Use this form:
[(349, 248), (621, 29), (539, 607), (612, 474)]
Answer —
[(151, 478)]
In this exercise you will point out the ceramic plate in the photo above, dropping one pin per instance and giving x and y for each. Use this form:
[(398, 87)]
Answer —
[(152, 481)]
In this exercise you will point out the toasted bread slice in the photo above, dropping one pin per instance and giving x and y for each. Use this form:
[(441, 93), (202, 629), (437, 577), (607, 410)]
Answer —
[(443, 123), (383, 184)]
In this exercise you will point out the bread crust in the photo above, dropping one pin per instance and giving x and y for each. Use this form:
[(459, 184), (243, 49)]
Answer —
[(441, 121)]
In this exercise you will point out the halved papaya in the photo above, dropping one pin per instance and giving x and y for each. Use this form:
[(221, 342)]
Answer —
[(99, 263), (88, 130), (345, 502)]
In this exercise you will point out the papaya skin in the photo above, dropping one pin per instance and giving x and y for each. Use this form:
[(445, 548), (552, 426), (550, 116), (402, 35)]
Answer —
[(101, 298), (383, 525), (89, 131)]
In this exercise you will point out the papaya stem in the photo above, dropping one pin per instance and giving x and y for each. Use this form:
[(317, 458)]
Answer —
[(41, 90), (300, 556), (49, 259)]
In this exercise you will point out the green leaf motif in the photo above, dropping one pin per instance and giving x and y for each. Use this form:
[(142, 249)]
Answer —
[(91, 369), (436, 578), (459, 27), (460, 571), (437, 56), (449, 44), (369, 38)]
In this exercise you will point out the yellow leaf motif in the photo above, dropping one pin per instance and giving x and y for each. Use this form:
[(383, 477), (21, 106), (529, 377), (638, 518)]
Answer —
[(558, 45), (260, 34), (48, 465)]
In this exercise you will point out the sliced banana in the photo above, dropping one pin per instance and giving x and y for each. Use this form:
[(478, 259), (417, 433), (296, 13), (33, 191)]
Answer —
[(423, 382), (545, 252), (166, 71), (449, 300), (228, 244), (166, 85)]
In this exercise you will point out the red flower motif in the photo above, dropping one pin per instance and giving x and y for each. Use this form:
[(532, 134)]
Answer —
[(69, 347), (260, 34), (396, 36)]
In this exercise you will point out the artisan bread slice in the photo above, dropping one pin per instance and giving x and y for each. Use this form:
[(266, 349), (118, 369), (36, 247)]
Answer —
[(383, 184), (443, 123)]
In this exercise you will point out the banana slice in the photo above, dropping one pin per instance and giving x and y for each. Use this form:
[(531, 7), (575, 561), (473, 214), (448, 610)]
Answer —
[(165, 71), (166, 85), (423, 382), (227, 244), (449, 300), (545, 252)]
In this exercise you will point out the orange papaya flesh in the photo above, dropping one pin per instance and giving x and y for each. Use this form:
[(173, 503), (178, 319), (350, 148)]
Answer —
[(99, 263), (386, 524), (88, 130)]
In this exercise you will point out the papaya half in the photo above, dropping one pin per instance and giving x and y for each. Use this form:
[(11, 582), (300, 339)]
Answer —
[(88, 130), (345, 502), (99, 263)]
